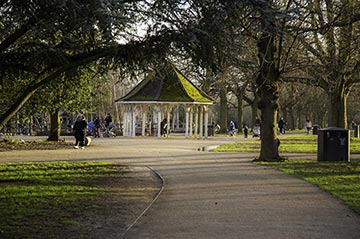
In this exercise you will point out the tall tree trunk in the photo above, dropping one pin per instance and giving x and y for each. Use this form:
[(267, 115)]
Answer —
[(254, 113), (54, 133), (268, 106), (286, 119), (240, 112), (268, 89), (301, 120), (292, 122), (337, 108), (223, 110), (269, 144), (254, 106)]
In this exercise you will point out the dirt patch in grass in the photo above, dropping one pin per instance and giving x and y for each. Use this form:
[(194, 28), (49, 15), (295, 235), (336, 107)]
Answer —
[(16, 144), (120, 206)]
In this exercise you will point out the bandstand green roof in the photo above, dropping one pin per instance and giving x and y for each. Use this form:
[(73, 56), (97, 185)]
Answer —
[(168, 85)]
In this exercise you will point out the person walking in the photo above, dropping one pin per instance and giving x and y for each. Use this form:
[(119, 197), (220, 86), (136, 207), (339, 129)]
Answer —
[(97, 127), (256, 127), (79, 132), (246, 131), (281, 125), (108, 121), (308, 126), (232, 128), (163, 126)]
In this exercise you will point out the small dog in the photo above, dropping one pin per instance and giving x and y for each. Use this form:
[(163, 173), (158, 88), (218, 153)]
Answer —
[(87, 141)]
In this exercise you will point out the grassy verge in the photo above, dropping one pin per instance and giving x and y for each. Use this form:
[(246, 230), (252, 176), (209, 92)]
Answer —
[(40, 200), (340, 179), (8, 144), (294, 144)]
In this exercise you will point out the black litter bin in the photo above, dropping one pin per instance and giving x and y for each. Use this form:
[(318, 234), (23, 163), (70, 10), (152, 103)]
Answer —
[(333, 144), (315, 129)]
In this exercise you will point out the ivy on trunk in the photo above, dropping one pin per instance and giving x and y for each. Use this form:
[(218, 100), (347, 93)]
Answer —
[(268, 89)]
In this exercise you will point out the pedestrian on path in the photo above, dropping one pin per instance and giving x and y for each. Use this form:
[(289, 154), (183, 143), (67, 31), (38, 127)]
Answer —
[(246, 131), (281, 125), (79, 131), (232, 128), (308, 126)]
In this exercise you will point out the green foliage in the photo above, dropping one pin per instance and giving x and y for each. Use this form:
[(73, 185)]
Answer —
[(73, 92), (38, 200), (340, 179), (38, 38)]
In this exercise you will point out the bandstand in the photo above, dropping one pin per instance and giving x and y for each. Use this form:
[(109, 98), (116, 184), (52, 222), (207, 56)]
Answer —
[(166, 94)]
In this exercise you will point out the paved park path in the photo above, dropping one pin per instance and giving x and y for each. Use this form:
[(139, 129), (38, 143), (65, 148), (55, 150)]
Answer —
[(217, 195)]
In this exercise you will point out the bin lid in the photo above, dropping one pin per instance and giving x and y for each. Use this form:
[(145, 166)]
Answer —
[(333, 129)]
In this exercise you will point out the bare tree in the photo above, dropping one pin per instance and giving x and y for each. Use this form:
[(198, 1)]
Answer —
[(333, 47)]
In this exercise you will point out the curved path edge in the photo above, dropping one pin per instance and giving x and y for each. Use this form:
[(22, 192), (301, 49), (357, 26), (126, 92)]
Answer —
[(158, 175)]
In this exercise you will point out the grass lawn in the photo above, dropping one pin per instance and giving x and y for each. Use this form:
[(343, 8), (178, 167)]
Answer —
[(40, 200), (341, 179), (293, 144)]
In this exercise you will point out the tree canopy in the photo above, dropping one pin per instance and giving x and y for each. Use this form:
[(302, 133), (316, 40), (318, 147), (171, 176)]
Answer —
[(43, 41)]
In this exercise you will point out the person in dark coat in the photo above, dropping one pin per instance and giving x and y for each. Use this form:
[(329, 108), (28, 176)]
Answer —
[(108, 120), (246, 131), (108, 123), (79, 132), (97, 127), (163, 126), (281, 125)]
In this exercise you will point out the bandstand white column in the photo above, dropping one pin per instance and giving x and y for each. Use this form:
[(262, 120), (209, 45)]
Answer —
[(168, 111), (191, 120), (159, 122), (206, 123), (196, 112), (127, 121), (173, 122), (177, 117), (201, 115), (124, 122), (143, 125), (187, 121), (133, 121)]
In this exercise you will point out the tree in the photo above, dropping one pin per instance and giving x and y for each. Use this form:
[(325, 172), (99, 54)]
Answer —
[(42, 40), (299, 102), (73, 92), (275, 21), (333, 45), (225, 24)]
